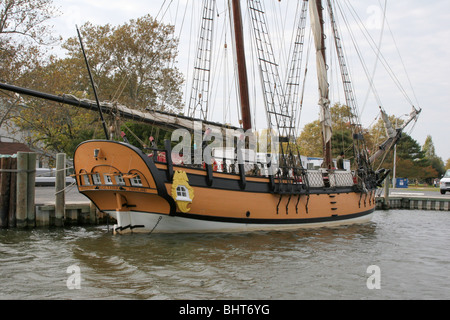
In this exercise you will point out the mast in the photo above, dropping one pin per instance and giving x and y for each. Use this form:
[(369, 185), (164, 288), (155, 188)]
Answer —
[(317, 23), (241, 64)]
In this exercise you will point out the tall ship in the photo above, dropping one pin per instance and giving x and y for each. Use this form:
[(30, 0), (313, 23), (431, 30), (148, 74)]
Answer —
[(214, 177)]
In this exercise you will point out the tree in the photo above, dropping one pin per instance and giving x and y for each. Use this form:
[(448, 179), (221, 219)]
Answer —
[(126, 71), (408, 148), (310, 140), (411, 161), (141, 132), (23, 27), (430, 153), (52, 126), (133, 63), (27, 18), (24, 33), (428, 148)]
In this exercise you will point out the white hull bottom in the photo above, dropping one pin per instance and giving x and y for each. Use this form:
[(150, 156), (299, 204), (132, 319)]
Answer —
[(137, 222)]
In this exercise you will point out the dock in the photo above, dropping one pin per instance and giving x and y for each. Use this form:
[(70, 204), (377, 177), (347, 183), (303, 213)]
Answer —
[(22, 205), (75, 214), (405, 198), (413, 203)]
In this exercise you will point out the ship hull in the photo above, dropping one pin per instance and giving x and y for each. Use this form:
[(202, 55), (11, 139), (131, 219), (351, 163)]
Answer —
[(145, 195), (138, 222)]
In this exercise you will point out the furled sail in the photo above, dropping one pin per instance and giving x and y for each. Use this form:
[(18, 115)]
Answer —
[(324, 102), (394, 135), (388, 125), (154, 117)]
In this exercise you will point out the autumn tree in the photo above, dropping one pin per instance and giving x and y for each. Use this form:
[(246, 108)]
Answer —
[(131, 65), (412, 160), (23, 32), (24, 35), (51, 126), (310, 140)]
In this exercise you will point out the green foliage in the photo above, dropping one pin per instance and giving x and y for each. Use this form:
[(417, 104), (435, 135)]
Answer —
[(430, 153), (412, 162), (310, 140), (138, 134)]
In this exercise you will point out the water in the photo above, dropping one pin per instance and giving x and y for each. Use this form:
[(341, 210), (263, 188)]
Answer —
[(409, 247)]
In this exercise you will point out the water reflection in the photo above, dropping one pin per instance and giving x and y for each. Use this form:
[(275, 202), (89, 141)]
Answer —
[(328, 263), (215, 265)]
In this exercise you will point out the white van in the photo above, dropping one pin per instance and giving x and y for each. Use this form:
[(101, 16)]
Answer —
[(445, 182)]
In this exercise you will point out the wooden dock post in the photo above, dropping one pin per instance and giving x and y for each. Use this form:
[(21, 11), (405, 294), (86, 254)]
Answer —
[(31, 192), (5, 175), (60, 184), (386, 193), (12, 194), (92, 213), (22, 188)]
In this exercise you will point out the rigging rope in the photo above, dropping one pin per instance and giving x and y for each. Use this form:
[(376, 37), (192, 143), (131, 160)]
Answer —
[(374, 48), (377, 55)]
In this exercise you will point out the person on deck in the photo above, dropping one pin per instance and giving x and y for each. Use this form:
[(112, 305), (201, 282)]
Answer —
[(340, 161)]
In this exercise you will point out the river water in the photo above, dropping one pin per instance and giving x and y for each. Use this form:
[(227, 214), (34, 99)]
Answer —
[(400, 254)]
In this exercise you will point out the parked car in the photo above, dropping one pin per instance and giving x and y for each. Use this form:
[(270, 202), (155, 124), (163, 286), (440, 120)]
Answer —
[(47, 177), (445, 182)]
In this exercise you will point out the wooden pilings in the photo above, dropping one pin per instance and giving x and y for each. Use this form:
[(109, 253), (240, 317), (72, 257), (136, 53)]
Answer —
[(26, 173), (31, 194), (17, 190), (8, 167), (17, 197), (60, 184)]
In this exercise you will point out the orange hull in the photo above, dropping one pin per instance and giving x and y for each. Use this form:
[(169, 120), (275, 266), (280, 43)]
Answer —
[(124, 182)]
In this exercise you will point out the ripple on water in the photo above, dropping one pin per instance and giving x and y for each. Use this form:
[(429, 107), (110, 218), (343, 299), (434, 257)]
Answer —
[(411, 248)]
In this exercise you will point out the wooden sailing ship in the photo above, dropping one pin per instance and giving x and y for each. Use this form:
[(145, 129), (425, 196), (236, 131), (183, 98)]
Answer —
[(159, 190)]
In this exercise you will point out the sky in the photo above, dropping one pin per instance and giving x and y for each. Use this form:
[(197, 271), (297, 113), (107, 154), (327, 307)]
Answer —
[(421, 33)]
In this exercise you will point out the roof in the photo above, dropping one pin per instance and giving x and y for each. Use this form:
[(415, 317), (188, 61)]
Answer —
[(9, 148)]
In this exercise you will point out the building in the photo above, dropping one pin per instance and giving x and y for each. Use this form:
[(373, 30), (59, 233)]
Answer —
[(11, 148)]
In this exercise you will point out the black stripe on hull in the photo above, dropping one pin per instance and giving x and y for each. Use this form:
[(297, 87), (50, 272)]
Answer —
[(287, 221)]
